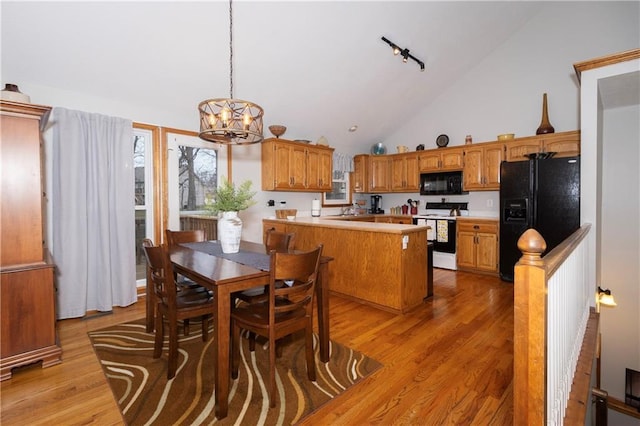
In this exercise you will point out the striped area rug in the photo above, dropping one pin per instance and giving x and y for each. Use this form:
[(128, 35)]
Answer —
[(146, 397)]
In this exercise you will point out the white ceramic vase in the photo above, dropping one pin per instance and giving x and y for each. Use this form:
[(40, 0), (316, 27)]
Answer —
[(229, 232)]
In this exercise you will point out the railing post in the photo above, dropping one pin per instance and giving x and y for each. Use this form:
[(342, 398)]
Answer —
[(600, 398), (530, 288)]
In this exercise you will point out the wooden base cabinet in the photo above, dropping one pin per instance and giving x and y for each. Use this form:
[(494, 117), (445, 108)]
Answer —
[(28, 318), (371, 263), (27, 290), (477, 248)]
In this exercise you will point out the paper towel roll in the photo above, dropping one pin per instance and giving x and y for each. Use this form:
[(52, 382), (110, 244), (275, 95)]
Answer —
[(315, 208)]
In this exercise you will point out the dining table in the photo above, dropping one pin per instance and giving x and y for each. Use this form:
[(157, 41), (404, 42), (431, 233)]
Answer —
[(226, 273)]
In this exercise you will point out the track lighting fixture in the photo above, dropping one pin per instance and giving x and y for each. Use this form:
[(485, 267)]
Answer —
[(403, 52)]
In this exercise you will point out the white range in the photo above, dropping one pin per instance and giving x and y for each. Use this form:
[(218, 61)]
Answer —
[(443, 231)]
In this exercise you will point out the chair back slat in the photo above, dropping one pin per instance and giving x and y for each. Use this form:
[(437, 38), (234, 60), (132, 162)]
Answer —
[(279, 241), (179, 237)]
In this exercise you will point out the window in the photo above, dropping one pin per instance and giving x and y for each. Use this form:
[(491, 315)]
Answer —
[(193, 176), (143, 181), (340, 194), (197, 177)]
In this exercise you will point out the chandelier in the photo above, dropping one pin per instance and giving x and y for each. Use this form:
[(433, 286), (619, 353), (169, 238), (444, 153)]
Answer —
[(229, 120)]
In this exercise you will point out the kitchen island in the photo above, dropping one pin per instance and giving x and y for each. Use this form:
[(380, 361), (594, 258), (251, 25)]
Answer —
[(380, 264)]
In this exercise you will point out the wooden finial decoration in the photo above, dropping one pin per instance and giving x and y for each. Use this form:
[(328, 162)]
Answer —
[(532, 245)]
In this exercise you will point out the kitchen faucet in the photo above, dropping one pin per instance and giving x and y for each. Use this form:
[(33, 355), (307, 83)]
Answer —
[(348, 211)]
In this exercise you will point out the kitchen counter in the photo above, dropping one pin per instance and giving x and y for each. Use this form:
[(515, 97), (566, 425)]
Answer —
[(380, 264)]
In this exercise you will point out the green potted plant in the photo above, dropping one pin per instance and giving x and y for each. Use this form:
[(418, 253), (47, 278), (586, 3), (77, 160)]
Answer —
[(227, 201), (228, 198)]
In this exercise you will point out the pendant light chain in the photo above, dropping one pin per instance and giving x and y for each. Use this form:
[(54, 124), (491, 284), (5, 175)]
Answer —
[(229, 120), (230, 49)]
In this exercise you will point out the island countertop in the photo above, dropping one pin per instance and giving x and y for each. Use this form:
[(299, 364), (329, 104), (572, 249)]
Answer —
[(359, 223)]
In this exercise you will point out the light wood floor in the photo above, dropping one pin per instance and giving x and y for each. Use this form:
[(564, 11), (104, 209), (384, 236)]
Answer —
[(448, 362)]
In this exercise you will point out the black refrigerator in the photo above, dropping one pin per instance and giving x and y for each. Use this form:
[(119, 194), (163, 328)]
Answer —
[(541, 193)]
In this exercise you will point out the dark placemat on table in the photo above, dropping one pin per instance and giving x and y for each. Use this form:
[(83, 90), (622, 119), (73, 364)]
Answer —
[(255, 260)]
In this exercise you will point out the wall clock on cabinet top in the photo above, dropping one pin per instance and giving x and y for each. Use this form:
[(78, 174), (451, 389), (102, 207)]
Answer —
[(442, 141)]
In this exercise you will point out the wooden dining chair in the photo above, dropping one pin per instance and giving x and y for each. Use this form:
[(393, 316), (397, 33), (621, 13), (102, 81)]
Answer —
[(287, 309), (173, 306), (280, 242), (174, 238), (185, 289), (274, 240)]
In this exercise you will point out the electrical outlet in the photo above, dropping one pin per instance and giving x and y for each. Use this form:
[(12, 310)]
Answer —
[(489, 203)]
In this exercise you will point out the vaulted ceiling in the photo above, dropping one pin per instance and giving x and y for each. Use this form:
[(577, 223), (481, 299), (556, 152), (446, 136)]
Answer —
[(316, 67)]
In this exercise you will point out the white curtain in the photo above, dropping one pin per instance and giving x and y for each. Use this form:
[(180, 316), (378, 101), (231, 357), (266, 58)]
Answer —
[(342, 163), (92, 211)]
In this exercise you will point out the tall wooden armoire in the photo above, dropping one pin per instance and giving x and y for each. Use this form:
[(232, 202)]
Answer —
[(27, 286)]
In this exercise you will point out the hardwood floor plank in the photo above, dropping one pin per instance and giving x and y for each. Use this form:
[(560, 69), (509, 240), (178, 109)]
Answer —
[(448, 362)]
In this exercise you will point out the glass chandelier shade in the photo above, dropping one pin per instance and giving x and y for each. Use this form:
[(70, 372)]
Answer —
[(229, 120)]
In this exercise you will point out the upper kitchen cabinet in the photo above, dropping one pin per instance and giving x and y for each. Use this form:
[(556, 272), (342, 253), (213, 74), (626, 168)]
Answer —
[(359, 176), (564, 144), (296, 166), (481, 170), (519, 149), (405, 176), (379, 173), (440, 159), (319, 169)]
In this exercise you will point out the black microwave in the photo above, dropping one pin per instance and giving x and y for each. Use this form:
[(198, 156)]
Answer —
[(442, 183)]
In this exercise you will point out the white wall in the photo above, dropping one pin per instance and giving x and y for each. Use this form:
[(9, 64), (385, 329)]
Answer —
[(610, 153), (620, 239), (503, 93)]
